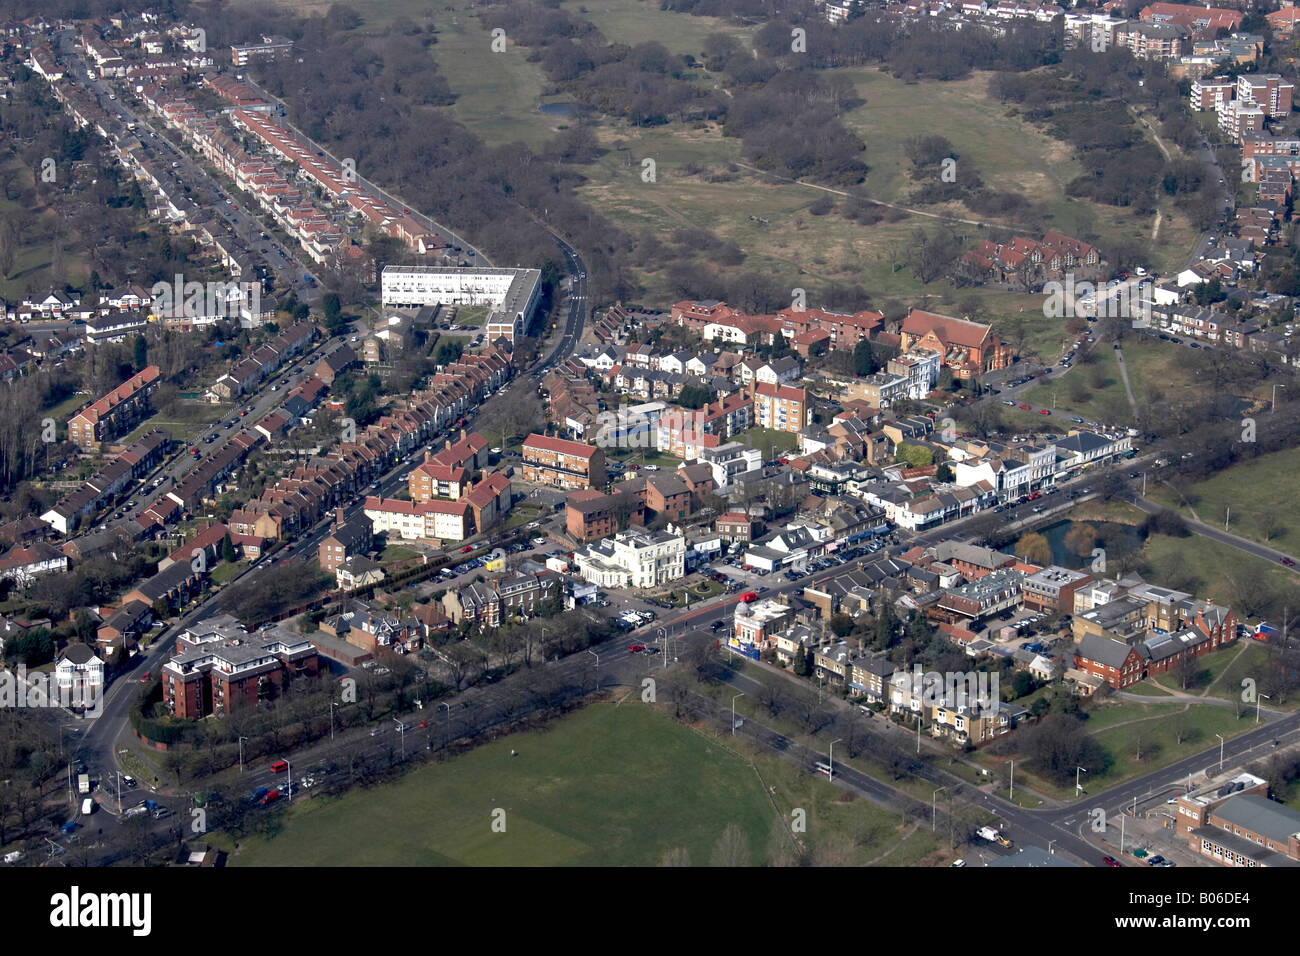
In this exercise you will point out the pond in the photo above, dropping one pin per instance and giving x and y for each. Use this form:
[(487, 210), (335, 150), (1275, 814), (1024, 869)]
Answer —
[(558, 109), (1109, 534)]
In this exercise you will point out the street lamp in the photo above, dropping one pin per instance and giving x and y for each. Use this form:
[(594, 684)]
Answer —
[(333, 704), (733, 712), (401, 730), (1011, 795), (1220, 736), (831, 775), (597, 656), (1078, 788), (934, 808), (241, 753), (446, 736), (1257, 698), (289, 768)]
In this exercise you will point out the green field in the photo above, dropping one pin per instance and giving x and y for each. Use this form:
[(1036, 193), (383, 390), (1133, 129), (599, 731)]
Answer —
[(1215, 567), (1253, 490), (641, 21), (769, 441), (608, 785)]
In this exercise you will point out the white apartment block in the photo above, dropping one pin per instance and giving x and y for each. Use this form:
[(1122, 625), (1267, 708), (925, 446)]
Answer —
[(511, 294)]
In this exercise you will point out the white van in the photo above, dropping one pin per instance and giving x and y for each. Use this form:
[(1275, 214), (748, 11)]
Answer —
[(87, 806)]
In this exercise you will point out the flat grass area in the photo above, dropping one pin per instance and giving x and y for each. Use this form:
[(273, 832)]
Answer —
[(641, 21), (769, 441), (1147, 689), (396, 552), (1255, 491), (226, 570), (1215, 566), (608, 786)]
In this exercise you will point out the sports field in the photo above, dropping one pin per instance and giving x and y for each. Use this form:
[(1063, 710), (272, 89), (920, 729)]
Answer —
[(608, 785)]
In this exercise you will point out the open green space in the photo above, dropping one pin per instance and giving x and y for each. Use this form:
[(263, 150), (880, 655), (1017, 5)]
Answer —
[(1214, 571), (769, 441), (608, 785), (1254, 491), (640, 21)]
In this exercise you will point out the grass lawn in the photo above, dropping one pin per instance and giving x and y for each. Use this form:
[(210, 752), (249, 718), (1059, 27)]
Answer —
[(769, 441), (642, 457), (611, 786), (1147, 689), (1254, 490), (396, 552), (1214, 566), (636, 21), (226, 570)]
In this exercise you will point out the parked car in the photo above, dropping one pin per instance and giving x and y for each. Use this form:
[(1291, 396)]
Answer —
[(1110, 861)]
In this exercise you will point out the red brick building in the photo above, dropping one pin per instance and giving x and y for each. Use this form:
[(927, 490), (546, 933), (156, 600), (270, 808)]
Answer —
[(220, 668), (564, 463)]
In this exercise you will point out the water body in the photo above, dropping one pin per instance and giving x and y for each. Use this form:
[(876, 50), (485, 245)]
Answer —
[(558, 109), (1129, 536)]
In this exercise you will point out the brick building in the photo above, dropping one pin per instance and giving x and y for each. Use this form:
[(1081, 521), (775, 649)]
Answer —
[(220, 668), (115, 413), (566, 464)]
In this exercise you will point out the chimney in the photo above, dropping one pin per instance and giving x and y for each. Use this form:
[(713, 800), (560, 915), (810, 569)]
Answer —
[(463, 435), (447, 444), (338, 517), (428, 455)]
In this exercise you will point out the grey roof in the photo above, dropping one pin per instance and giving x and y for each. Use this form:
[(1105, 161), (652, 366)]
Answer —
[(1103, 650), (1258, 814)]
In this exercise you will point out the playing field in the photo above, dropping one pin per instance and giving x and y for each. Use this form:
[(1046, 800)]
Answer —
[(608, 786)]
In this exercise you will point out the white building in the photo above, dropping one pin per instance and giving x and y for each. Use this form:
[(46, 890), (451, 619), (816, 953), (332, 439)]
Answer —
[(426, 521), (511, 294), (634, 558), (79, 675), (730, 460), (921, 369)]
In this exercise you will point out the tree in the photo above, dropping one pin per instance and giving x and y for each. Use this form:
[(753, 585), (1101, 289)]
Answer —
[(227, 550), (140, 355), (864, 363), (1081, 539), (801, 667), (732, 848), (944, 473), (1034, 548)]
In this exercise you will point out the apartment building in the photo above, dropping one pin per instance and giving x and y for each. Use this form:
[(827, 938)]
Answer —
[(1212, 93), (420, 521), (114, 413), (755, 625), (220, 668), (566, 464), (782, 408), (920, 368), (430, 480), (1269, 91), (1152, 41), (510, 294)]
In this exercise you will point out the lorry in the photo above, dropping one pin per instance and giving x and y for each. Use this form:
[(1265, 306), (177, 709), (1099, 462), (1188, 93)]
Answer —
[(83, 783), (87, 806), (993, 836)]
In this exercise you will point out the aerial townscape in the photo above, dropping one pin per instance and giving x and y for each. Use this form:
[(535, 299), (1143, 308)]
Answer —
[(651, 433)]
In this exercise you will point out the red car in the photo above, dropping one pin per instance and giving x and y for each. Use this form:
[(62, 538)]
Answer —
[(1024, 408), (145, 678), (1288, 562), (1044, 411), (635, 648), (1110, 861), (749, 596), (273, 795), (467, 549)]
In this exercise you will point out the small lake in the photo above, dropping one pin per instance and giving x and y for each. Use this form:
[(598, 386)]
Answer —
[(1128, 537), (558, 109)]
